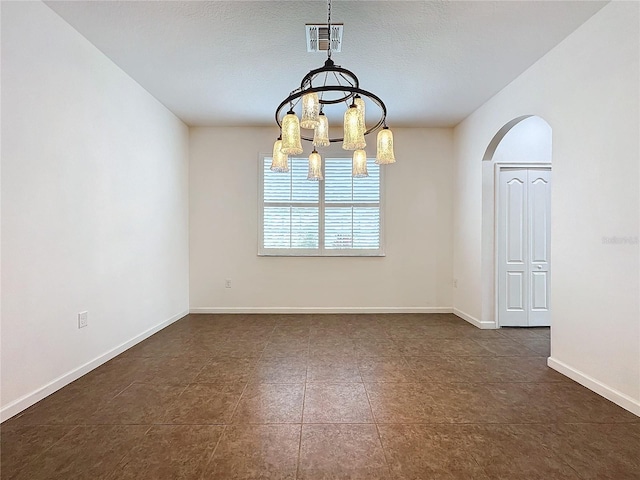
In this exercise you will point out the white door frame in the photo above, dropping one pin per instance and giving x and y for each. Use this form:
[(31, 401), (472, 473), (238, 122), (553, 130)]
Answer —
[(496, 185)]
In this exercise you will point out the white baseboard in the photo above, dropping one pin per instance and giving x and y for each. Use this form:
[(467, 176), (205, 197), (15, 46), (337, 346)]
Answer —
[(29, 399), (474, 321), (619, 398), (320, 310)]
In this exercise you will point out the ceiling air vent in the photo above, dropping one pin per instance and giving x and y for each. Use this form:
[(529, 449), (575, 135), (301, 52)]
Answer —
[(318, 37)]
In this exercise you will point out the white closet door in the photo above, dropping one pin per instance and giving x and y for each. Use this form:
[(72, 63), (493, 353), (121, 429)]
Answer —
[(523, 247)]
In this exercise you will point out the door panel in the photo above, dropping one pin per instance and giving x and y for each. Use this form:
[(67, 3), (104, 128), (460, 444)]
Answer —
[(539, 291), (515, 228), (539, 208), (515, 292)]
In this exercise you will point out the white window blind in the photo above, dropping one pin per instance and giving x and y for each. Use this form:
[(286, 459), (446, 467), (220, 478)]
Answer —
[(337, 216)]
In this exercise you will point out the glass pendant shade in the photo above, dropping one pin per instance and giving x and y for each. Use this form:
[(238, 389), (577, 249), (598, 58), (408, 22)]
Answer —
[(310, 110), (291, 144), (315, 166), (321, 132), (359, 164), (358, 101), (353, 131), (279, 160), (384, 155)]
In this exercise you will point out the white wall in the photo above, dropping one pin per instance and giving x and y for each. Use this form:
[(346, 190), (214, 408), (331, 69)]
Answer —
[(94, 207), (587, 89), (415, 275)]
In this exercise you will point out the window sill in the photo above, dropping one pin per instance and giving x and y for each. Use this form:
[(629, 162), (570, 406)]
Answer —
[(328, 254)]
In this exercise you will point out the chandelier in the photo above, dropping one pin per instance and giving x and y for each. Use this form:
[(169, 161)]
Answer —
[(320, 89)]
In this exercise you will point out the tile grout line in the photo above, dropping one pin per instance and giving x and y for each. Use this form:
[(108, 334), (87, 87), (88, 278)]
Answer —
[(244, 389), (524, 344), (213, 452), (225, 425), (304, 397), (126, 456), (375, 423), (71, 430), (555, 455)]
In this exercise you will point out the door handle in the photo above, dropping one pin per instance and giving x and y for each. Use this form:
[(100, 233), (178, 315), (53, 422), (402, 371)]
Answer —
[(539, 267)]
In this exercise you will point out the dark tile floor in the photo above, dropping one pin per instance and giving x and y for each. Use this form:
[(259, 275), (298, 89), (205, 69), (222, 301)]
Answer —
[(325, 397)]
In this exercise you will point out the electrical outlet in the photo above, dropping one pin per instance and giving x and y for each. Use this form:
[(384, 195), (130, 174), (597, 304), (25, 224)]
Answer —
[(227, 284), (455, 283), (83, 319)]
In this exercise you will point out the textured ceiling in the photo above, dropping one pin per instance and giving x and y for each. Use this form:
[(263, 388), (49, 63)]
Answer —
[(232, 62)]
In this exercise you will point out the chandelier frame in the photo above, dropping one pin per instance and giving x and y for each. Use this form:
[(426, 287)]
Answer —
[(345, 88), (347, 92)]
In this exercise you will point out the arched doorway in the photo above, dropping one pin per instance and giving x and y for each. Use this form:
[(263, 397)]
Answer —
[(518, 153)]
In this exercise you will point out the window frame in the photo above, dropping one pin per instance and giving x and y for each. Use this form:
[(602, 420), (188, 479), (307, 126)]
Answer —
[(321, 251)]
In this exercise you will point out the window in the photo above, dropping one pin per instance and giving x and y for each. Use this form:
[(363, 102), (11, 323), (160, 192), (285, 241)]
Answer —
[(338, 216)]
